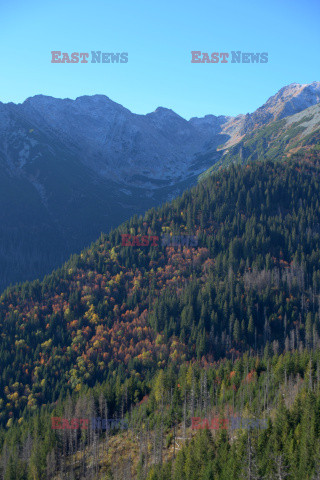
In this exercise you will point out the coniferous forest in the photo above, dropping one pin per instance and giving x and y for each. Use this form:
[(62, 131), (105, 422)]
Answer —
[(159, 336)]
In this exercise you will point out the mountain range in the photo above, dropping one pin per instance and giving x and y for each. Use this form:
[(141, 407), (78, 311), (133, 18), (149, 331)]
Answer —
[(70, 169), (166, 338)]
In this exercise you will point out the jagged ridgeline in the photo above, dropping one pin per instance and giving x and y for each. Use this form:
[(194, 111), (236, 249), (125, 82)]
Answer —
[(253, 280)]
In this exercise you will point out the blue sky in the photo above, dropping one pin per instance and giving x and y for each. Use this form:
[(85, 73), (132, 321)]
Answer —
[(159, 37)]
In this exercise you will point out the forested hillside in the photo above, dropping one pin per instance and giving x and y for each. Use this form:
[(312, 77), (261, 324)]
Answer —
[(254, 279), (111, 319), (254, 418)]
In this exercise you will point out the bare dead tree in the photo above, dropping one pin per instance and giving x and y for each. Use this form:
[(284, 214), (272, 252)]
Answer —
[(27, 449), (184, 424), (4, 459), (51, 466), (127, 469), (280, 468), (251, 469), (316, 475), (205, 393), (192, 396)]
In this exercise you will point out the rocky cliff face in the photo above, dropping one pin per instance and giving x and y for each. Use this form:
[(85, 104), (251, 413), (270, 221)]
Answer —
[(108, 138), (288, 101)]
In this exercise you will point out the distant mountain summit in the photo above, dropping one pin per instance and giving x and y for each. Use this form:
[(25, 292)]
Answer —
[(289, 100), (70, 169)]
